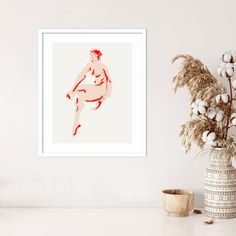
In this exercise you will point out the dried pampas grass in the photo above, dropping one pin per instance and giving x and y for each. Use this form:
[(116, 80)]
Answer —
[(191, 132), (196, 77), (202, 85)]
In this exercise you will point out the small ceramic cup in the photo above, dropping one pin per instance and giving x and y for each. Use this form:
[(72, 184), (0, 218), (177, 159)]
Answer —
[(178, 202)]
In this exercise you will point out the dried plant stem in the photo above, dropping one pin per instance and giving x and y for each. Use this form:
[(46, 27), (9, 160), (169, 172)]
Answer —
[(230, 108)]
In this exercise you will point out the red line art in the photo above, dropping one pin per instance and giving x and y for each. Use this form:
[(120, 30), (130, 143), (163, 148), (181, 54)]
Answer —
[(75, 132), (94, 100), (105, 74), (82, 90), (98, 105), (78, 83), (97, 52), (106, 78), (93, 84), (101, 83)]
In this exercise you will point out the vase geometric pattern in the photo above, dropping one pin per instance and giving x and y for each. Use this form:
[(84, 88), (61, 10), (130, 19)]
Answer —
[(220, 188)]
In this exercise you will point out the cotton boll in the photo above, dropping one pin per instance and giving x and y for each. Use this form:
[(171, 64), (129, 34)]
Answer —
[(229, 65), (233, 115), (218, 97), (203, 103), (194, 105), (223, 73), (211, 137), (211, 113), (222, 97), (204, 139), (199, 107), (226, 57), (195, 111), (233, 121), (219, 70), (213, 143), (202, 107), (225, 98), (234, 84), (204, 135), (198, 101), (229, 72), (219, 116), (229, 69), (223, 65), (202, 110), (234, 56), (222, 69)]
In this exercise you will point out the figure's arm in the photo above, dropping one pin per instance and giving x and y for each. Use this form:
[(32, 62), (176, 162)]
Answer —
[(108, 81), (81, 76), (79, 79)]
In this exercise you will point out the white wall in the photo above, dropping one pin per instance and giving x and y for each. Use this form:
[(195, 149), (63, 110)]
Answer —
[(201, 28)]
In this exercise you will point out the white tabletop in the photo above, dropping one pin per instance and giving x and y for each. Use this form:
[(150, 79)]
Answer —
[(106, 222)]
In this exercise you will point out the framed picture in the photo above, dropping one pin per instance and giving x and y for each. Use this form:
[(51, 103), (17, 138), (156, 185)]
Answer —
[(92, 92)]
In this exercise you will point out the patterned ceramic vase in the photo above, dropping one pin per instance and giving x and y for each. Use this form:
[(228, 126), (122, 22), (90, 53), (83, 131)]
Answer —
[(220, 187)]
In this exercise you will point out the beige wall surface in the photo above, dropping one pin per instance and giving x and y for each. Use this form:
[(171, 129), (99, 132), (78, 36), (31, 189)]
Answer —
[(201, 28)]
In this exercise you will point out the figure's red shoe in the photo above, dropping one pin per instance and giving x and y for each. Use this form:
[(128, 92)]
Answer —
[(75, 132)]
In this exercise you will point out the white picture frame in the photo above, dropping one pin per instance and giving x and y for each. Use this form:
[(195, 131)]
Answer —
[(136, 146)]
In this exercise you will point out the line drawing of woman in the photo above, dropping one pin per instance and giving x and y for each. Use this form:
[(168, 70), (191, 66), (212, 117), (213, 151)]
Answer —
[(93, 84)]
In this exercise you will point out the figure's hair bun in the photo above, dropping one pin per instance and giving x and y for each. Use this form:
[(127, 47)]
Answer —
[(97, 52)]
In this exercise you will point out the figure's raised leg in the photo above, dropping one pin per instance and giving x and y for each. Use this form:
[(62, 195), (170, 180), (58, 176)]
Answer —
[(79, 105)]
